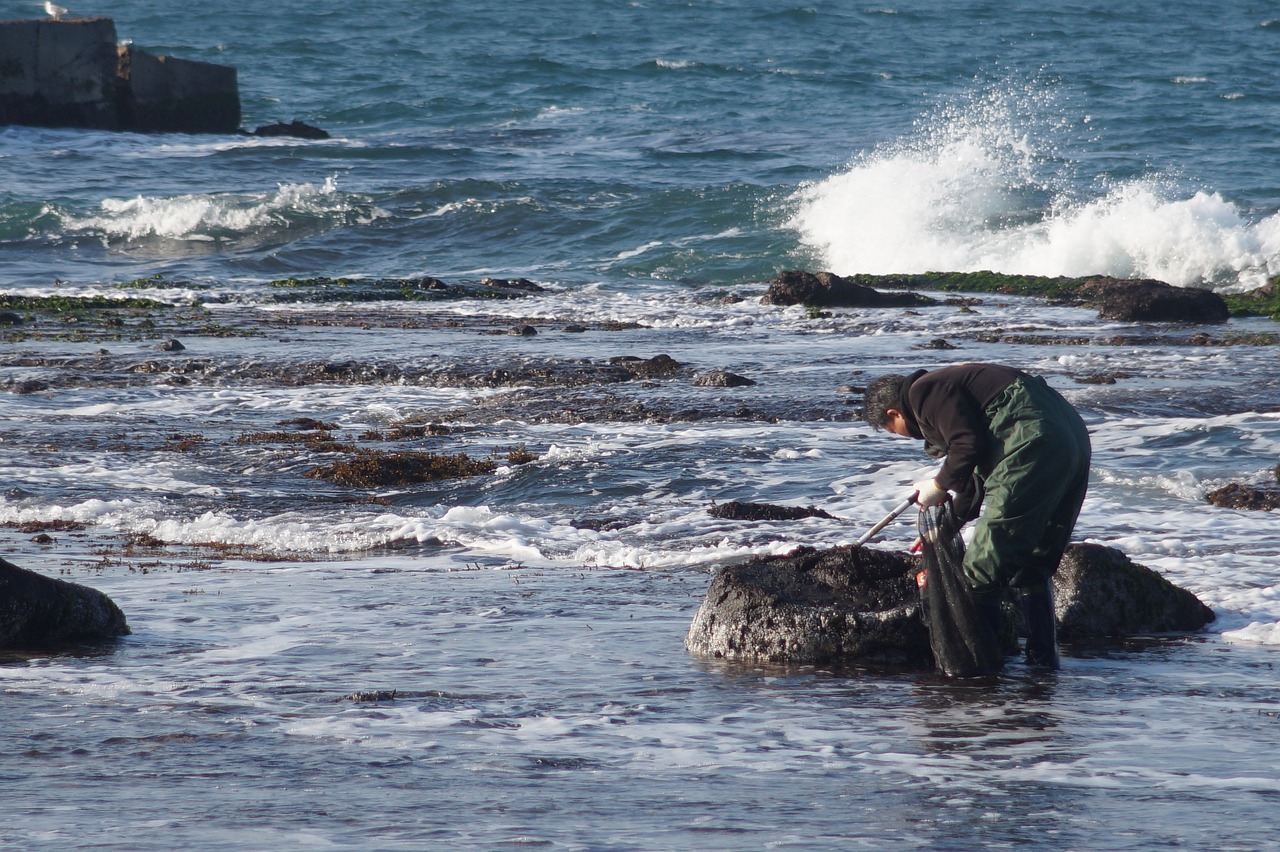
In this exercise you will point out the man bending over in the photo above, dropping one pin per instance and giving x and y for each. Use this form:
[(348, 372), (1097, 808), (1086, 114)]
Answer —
[(1013, 445)]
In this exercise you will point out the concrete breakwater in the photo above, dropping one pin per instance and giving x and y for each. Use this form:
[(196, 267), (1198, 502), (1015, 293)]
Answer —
[(74, 73)]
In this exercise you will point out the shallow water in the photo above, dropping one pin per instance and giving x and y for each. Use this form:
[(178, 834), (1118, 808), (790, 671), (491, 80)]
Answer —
[(541, 691), (555, 708)]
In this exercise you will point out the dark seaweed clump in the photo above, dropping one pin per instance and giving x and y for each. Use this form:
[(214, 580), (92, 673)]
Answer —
[(379, 469), (1239, 496)]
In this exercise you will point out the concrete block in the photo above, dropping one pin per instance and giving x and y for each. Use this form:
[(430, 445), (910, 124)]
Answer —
[(166, 94), (59, 73)]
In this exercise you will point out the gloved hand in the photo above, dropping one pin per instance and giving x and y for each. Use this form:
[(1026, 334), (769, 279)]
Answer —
[(930, 493)]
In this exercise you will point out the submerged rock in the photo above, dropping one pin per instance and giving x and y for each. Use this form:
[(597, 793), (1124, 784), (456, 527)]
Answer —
[(824, 289), (36, 610), (295, 128), (860, 605), (736, 511), (657, 366), (722, 379), (380, 469)]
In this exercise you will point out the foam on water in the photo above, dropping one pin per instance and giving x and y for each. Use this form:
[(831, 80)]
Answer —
[(208, 217), (988, 183)]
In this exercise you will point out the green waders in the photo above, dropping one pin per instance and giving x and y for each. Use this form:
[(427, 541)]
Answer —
[(1035, 477)]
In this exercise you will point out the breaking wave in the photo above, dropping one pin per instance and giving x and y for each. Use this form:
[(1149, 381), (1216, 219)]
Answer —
[(982, 184), (212, 217)]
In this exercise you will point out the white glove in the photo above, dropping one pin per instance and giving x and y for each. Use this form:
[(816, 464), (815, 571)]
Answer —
[(930, 493)]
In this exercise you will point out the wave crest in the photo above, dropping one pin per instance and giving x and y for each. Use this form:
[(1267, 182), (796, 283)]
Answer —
[(224, 216)]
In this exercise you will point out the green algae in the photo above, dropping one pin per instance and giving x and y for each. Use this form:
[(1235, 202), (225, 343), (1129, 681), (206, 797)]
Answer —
[(76, 304), (1263, 302)]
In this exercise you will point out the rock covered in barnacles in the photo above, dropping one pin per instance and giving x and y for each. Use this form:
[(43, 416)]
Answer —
[(849, 605), (1099, 593), (845, 604)]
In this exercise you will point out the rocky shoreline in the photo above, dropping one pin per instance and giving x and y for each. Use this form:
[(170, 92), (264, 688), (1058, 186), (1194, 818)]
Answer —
[(527, 388), (622, 386), (187, 346)]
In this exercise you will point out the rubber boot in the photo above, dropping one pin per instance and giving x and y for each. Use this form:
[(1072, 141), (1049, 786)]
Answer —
[(1042, 627)]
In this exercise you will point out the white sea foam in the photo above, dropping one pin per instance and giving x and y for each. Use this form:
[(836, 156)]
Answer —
[(979, 186), (208, 217)]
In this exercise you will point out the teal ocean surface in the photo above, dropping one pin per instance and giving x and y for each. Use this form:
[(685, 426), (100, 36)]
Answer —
[(696, 143), (497, 662)]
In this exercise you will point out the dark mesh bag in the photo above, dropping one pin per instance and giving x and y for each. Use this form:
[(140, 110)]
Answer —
[(962, 640)]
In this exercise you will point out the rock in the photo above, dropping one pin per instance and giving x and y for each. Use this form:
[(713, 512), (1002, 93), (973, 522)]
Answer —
[(295, 129), (380, 469), (10, 318), (1147, 300), (735, 511), (1095, 379), (574, 328), (658, 365), (823, 289), (1240, 496), (30, 386), (722, 379), (1100, 593), (860, 605), (512, 284), (840, 605), (37, 611)]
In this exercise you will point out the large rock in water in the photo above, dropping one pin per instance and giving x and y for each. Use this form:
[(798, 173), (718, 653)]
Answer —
[(845, 604), (860, 605), (826, 290), (1098, 592), (1148, 300), (36, 610)]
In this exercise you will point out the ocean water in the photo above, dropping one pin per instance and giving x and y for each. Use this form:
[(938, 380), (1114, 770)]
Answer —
[(497, 662)]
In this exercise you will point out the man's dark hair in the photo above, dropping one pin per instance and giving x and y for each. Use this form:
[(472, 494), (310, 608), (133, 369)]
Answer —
[(882, 394)]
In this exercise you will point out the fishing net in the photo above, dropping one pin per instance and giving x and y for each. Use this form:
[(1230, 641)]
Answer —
[(962, 638)]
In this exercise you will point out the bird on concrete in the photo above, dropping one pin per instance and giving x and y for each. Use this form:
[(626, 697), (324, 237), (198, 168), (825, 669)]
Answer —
[(53, 11)]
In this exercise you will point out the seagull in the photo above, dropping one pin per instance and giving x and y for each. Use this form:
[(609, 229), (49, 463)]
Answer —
[(53, 11)]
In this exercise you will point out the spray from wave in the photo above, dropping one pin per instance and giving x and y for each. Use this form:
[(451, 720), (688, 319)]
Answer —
[(981, 183)]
